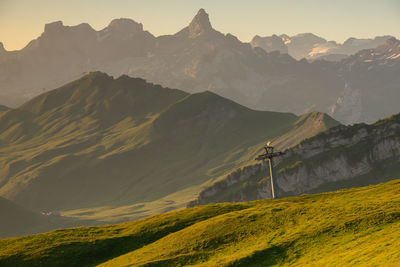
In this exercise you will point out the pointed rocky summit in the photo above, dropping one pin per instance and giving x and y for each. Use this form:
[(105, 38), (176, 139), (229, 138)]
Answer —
[(200, 24)]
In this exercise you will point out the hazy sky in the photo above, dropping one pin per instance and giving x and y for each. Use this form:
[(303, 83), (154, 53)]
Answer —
[(23, 20)]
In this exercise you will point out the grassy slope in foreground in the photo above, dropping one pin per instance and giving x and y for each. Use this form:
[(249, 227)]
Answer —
[(351, 227)]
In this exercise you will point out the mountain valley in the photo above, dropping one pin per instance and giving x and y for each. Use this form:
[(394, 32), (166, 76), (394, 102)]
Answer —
[(111, 150)]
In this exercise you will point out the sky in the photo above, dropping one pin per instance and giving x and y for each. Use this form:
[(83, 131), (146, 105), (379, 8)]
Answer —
[(23, 20)]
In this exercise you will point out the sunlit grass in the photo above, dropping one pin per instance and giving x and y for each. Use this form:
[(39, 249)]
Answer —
[(354, 227)]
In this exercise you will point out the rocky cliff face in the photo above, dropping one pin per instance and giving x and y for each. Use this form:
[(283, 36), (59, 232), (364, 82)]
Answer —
[(344, 156), (348, 106), (363, 73)]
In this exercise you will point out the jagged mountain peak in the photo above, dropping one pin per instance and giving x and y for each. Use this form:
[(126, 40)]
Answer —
[(390, 49), (200, 24), (53, 26), (270, 43), (125, 25), (308, 37), (392, 43), (53, 31)]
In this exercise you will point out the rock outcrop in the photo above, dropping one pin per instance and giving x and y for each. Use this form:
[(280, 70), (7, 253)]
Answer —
[(345, 156)]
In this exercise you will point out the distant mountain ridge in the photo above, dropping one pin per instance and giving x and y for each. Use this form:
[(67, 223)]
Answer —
[(312, 47), (195, 59)]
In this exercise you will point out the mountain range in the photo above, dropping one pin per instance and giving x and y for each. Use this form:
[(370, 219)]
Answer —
[(108, 149), (199, 58), (312, 47)]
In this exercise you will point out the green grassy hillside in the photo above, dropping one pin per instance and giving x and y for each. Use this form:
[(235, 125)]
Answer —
[(353, 227), (117, 149)]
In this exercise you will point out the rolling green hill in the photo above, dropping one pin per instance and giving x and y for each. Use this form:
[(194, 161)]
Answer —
[(353, 227), (112, 150)]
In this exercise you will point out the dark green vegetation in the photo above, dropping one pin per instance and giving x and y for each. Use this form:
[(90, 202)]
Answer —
[(354, 227), (341, 157), (117, 149)]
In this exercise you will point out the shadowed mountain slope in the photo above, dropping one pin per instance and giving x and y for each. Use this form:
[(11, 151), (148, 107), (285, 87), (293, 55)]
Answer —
[(123, 148), (18, 221)]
